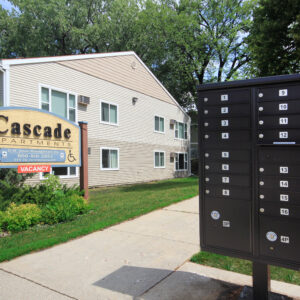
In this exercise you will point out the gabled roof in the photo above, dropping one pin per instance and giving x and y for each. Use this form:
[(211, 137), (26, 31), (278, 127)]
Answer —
[(122, 68)]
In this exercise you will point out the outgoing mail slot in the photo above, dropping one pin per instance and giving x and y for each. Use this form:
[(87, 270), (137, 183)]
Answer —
[(228, 180), (278, 92), (279, 136), (225, 96), (228, 224), (226, 154), (279, 154), (279, 108), (281, 121), (277, 195), (226, 123), (283, 184), (226, 137), (279, 169), (279, 210), (225, 111), (279, 238), (227, 192), (227, 167)]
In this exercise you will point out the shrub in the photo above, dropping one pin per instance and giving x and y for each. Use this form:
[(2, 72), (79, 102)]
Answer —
[(63, 208), (20, 217)]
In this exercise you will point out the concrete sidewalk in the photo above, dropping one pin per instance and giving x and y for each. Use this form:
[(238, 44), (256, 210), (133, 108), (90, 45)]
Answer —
[(145, 258)]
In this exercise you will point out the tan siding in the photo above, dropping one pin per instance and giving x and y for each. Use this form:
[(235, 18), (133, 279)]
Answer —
[(118, 70), (1, 89), (135, 134)]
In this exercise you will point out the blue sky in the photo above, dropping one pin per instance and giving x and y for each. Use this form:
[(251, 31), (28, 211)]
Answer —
[(5, 4)]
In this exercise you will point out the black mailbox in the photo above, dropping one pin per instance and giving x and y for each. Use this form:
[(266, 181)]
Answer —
[(249, 157)]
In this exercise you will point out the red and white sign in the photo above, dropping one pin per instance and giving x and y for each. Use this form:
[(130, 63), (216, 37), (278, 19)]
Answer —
[(34, 168)]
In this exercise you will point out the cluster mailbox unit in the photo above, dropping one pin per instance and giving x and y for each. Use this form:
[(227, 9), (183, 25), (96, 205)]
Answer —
[(249, 151)]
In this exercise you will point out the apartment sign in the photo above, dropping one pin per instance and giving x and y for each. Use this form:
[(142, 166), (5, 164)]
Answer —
[(31, 136)]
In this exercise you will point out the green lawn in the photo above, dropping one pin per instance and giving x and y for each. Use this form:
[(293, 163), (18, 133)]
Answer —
[(109, 206), (243, 266)]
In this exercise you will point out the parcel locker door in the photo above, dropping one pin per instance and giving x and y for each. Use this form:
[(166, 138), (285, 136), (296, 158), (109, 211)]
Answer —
[(282, 122), (278, 92), (279, 108), (279, 154), (226, 97), (226, 154), (224, 111), (276, 195), (226, 123), (280, 239), (228, 224)]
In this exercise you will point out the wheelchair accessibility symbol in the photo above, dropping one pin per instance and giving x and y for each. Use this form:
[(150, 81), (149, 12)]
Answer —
[(71, 157)]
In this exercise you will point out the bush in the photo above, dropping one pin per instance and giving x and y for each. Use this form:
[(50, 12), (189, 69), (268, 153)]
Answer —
[(20, 217), (63, 208)]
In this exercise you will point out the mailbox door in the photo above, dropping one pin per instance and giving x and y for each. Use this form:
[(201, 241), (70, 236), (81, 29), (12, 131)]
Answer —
[(226, 123), (226, 154), (225, 111), (278, 92)]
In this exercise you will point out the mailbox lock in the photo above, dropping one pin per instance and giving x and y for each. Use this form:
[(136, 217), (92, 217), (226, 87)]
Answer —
[(260, 95), (261, 136), (261, 183), (206, 136), (207, 167), (205, 124), (206, 179), (262, 196), (206, 154), (261, 122), (207, 191), (261, 170), (206, 112), (205, 99), (262, 210), (260, 108)]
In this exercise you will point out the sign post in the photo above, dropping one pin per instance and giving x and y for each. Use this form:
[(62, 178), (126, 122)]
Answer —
[(84, 182), (249, 158)]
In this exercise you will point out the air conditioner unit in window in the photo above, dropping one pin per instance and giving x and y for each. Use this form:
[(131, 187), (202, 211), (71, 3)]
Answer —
[(83, 100), (172, 122), (172, 155)]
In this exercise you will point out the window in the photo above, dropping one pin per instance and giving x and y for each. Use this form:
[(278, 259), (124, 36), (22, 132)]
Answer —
[(180, 130), (109, 113), (159, 124), (109, 158), (181, 162), (63, 104), (159, 159)]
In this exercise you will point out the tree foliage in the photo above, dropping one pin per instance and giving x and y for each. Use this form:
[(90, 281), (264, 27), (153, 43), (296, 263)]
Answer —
[(275, 37)]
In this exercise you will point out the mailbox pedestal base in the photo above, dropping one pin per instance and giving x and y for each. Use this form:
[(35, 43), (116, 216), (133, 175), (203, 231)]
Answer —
[(247, 294), (261, 280)]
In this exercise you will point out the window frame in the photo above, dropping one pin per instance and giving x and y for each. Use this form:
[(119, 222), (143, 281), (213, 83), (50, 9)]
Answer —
[(185, 154), (156, 131), (109, 104), (109, 169), (50, 88), (159, 151), (185, 131)]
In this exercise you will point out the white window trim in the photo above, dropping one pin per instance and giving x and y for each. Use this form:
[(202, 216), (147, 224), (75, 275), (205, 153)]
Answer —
[(109, 169), (161, 132), (181, 170), (187, 132), (42, 177), (62, 91), (110, 103), (160, 151)]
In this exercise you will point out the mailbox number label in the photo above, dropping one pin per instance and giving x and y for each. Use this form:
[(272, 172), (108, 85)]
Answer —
[(225, 154), (284, 183), (224, 110), (225, 192), (225, 167), (224, 123), (284, 170), (283, 121), (283, 134), (285, 239), (283, 93), (283, 106), (225, 135), (284, 211), (225, 179), (224, 97), (284, 198)]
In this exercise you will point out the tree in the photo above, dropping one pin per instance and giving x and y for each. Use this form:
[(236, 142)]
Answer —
[(275, 37)]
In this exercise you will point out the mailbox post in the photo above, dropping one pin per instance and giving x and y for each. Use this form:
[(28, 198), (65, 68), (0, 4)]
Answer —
[(249, 158)]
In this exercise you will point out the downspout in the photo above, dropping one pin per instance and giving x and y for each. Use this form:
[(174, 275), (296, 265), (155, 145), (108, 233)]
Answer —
[(5, 71)]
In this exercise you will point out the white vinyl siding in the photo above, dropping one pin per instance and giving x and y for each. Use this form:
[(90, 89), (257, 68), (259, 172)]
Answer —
[(159, 124), (181, 162), (159, 159), (180, 130), (109, 113), (109, 158), (1, 89)]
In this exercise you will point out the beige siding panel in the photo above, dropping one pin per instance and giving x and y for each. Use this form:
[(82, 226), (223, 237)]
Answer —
[(119, 70), (1, 89)]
